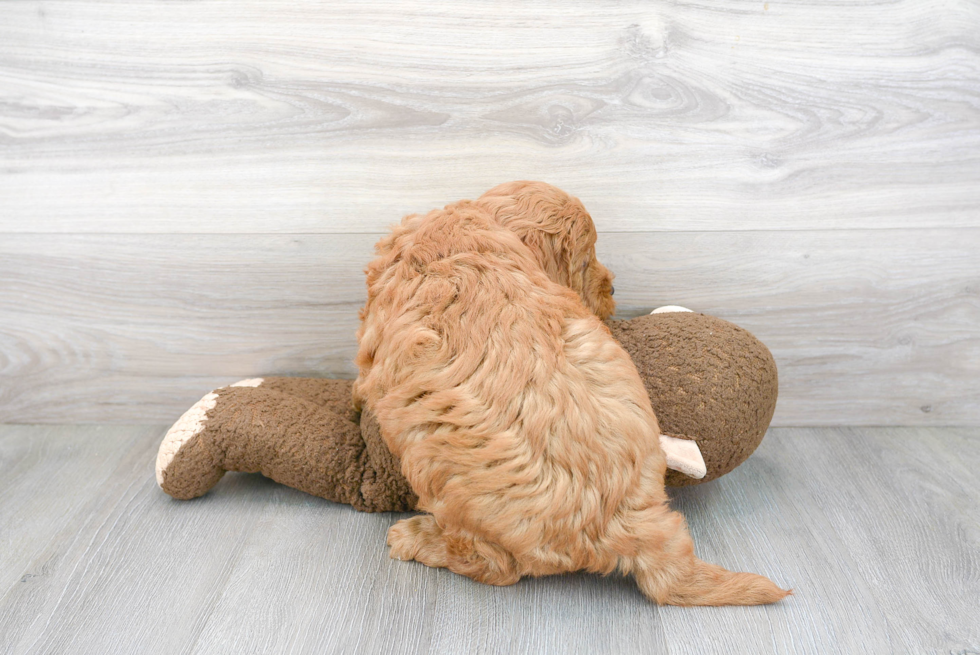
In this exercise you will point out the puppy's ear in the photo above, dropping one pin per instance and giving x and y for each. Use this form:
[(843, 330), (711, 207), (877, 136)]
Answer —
[(569, 248), (553, 224)]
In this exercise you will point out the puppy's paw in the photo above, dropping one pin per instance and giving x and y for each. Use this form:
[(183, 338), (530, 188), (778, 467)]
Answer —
[(401, 543), (418, 538)]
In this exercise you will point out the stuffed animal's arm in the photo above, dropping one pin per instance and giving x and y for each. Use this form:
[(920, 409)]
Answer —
[(300, 432)]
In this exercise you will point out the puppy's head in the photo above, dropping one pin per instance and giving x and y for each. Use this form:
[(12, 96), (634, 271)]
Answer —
[(560, 233)]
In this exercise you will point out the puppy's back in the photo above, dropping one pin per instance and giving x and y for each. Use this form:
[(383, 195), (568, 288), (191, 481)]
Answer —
[(509, 403)]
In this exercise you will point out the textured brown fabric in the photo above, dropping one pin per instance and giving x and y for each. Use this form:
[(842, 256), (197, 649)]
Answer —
[(300, 432), (384, 481), (708, 380), (193, 470), (334, 395)]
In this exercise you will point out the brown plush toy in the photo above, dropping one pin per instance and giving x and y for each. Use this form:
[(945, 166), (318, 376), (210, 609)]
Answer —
[(709, 381), (712, 386)]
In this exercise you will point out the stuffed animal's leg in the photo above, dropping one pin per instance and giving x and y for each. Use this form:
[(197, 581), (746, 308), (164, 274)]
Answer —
[(383, 487), (254, 428), (334, 395)]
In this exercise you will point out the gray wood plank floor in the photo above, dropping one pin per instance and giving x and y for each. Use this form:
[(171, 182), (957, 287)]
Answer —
[(876, 529)]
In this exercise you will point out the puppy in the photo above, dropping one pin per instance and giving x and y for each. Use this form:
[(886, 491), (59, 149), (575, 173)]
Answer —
[(521, 424)]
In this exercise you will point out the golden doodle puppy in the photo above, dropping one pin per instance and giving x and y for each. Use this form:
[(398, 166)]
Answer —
[(519, 421)]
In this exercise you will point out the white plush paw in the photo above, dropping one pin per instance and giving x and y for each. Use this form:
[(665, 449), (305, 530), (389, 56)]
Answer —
[(186, 427), (666, 309)]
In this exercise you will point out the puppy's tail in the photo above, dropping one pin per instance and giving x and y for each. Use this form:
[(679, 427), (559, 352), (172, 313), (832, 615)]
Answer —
[(709, 584)]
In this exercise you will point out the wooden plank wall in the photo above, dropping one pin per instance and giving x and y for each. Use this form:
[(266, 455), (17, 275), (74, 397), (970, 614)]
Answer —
[(189, 190)]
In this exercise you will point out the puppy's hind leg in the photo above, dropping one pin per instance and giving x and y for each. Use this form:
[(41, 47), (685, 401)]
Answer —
[(419, 538), (422, 539)]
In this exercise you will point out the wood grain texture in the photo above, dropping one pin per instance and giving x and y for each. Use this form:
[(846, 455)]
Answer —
[(263, 116), (189, 189), (874, 327), (42, 488), (876, 529)]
